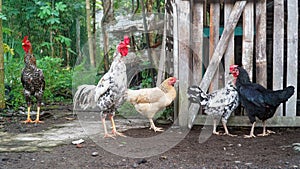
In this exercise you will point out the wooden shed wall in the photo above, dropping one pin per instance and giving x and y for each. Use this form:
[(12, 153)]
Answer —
[(271, 60)]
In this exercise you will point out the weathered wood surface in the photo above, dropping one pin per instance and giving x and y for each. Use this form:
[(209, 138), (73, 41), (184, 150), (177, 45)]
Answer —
[(248, 37), (261, 42), (175, 57), (184, 33), (218, 54), (197, 45), (229, 53), (214, 28), (278, 48), (292, 54), (276, 121)]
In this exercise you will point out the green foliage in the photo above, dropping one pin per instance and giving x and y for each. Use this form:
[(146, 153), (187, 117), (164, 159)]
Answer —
[(58, 81)]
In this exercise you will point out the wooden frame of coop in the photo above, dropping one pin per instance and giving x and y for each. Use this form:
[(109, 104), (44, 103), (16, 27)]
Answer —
[(261, 35)]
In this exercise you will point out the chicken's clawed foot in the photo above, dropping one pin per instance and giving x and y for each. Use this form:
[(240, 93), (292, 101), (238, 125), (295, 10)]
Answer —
[(115, 133), (231, 135), (37, 121), (27, 121), (108, 136), (250, 136), (266, 133), (217, 133), (157, 129)]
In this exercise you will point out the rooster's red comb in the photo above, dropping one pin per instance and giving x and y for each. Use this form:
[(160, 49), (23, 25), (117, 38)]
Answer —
[(25, 39), (232, 67)]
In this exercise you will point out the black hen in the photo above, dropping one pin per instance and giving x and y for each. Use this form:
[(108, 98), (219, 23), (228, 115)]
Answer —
[(258, 101), (32, 80)]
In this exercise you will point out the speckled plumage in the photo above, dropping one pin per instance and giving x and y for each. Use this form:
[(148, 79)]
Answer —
[(32, 80), (221, 102)]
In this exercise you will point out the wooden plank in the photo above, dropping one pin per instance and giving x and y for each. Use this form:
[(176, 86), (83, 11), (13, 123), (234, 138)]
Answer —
[(214, 28), (217, 56), (162, 58), (248, 38), (184, 33), (261, 42), (175, 56), (278, 48), (238, 121), (197, 39), (229, 54), (292, 54)]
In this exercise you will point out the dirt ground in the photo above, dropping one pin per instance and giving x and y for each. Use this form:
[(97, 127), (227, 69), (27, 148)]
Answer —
[(274, 151)]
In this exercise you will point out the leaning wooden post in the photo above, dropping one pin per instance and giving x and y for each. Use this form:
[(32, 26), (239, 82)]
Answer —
[(184, 32), (218, 54), (292, 55), (261, 42), (278, 48)]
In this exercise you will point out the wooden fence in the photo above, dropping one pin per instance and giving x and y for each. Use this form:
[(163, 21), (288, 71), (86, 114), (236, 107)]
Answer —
[(269, 50)]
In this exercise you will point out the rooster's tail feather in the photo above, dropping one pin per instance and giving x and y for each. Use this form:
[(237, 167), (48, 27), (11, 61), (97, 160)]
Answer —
[(196, 95), (286, 93), (84, 97)]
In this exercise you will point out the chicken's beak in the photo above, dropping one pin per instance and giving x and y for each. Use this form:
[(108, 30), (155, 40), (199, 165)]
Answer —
[(23, 44), (128, 46)]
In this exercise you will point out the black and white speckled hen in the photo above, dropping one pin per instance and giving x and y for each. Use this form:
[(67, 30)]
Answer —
[(221, 102), (32, 80), (109, 94), (258, 101)]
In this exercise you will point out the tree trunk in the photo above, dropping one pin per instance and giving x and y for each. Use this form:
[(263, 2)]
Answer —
[(2, 88), (78, 51), (108, 16), (89, 31)]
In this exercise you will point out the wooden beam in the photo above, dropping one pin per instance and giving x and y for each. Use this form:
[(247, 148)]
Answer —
[(239, 121), (214, 28), (248, 36), (217, 56), (175, 56), (184, 33), (278, 48), (229, 54), (197, 46), (292, 55), (261, 42)]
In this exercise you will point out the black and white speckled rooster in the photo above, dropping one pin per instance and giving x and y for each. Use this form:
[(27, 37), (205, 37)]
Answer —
[(221, 102), (109, 94), (32, 80)]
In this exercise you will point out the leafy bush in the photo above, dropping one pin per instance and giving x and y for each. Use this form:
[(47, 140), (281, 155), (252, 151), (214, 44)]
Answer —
[(58, 81)]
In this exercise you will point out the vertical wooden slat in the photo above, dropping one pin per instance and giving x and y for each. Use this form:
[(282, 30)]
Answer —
[(292, 54), (197, 41), (278, 48), (261, 42), (175, 56), (214, 27), (248, 34), (184, 33), (229, 54)]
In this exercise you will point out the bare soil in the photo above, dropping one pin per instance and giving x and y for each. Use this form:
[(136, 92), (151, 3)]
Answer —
[(274, 151)]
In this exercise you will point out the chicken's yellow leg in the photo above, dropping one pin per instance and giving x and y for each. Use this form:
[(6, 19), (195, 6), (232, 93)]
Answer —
[(114, 130), (37, 120), (226, 130), (251, 132), (105, 129), (152, 126), (28, 116), (215, 128)]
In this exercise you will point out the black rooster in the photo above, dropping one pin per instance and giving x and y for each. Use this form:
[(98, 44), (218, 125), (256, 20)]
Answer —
[(258, 101), (32, 80)]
